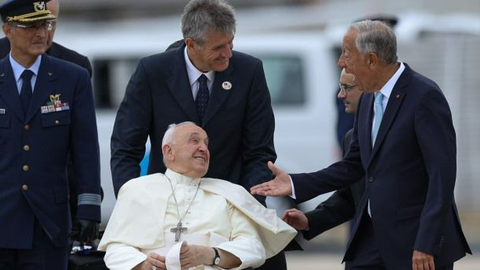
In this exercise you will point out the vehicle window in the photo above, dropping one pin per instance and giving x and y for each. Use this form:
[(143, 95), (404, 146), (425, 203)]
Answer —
[(284, 74), (285, 79)]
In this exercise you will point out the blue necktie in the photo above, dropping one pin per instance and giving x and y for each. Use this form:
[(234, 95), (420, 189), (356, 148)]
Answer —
[(202, 96), (378, 105), (26, 91), (378, 115)]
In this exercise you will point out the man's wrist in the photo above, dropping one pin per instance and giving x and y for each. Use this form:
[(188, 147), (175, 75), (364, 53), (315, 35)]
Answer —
[(216, 257), (292, 195)]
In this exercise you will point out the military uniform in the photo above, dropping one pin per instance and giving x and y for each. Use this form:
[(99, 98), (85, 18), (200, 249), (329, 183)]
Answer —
[(34, 144)]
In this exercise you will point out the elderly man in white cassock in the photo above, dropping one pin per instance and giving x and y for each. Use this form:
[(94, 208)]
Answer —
[(179, 220)]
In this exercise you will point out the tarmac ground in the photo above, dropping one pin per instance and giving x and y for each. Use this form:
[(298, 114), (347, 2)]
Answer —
[(325, 252), (297, 260)]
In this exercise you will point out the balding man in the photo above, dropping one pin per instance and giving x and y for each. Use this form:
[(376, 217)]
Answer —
[(181, 219)]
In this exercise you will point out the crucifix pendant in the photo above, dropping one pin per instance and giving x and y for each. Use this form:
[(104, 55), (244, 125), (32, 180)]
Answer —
[(178, 230)]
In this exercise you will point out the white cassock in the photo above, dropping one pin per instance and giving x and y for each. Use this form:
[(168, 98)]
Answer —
[(222, 215)]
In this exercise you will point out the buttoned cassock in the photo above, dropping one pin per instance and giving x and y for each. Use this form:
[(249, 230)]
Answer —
[(145, 212), (34, 149), (410, 175)]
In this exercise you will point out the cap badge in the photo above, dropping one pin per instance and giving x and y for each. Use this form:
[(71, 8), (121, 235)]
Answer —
[(39, 6)]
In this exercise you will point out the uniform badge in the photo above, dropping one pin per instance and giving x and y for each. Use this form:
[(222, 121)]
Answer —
[(39, 6), (55, 105)]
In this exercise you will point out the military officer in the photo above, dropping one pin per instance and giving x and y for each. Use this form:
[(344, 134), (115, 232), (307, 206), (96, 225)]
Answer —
[(46, 111)]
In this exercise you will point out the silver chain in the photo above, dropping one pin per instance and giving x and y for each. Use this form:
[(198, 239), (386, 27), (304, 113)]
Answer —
[(175, 198)]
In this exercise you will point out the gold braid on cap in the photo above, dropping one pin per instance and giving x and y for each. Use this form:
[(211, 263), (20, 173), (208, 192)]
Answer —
[(25, 17)]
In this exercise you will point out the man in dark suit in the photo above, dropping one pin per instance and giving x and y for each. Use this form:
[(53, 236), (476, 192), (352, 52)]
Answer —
[(46, 112), (232, 105), (404, 144), (58, 51), (340, 206)]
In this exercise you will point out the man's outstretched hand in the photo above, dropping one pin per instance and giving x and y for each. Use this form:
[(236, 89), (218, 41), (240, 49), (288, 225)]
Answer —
[(279, 186)]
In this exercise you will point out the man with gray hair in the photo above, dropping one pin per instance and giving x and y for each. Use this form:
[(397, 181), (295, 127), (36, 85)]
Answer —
[(206, 82), (181, 220), (404, 144)]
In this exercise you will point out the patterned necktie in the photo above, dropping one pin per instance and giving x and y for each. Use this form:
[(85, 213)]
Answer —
[(202, 96), (378, 115), (26, 91)]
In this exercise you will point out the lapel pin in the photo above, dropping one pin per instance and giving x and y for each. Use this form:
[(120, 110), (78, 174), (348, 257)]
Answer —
[(2, 75), (398, 96), (50, 73), (226, 85), (2, 111)]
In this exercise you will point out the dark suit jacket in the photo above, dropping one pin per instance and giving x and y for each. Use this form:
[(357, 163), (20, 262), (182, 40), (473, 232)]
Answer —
[(34, 149), (239, 121), (339, 207), (410, 174), (58, 51)]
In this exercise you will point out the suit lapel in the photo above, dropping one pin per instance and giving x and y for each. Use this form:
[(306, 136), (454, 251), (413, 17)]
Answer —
[(43, 86), (9, 91), (179, 86), (218, 93), (394, 103)]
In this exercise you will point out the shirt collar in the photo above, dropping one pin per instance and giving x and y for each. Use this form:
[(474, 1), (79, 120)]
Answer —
[(388, 87), (193, 72), (180, 178), (18, 69)]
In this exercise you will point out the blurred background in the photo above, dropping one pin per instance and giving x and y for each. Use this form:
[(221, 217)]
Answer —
[(299, 42)]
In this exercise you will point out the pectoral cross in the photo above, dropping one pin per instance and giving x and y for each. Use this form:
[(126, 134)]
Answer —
[(178, 230)]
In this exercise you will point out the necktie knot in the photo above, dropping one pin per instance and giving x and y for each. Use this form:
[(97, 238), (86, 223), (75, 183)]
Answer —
[(26, 75), (202, 79), (202, 96)]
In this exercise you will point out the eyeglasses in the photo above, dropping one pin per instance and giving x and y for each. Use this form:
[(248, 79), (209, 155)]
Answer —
[(34, 27), (345, 88)]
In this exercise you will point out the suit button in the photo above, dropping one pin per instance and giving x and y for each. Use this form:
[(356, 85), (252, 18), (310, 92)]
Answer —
[(26, 168), (25, 187), (371, 179), (26, 127), (26, 147), (57, 122)]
